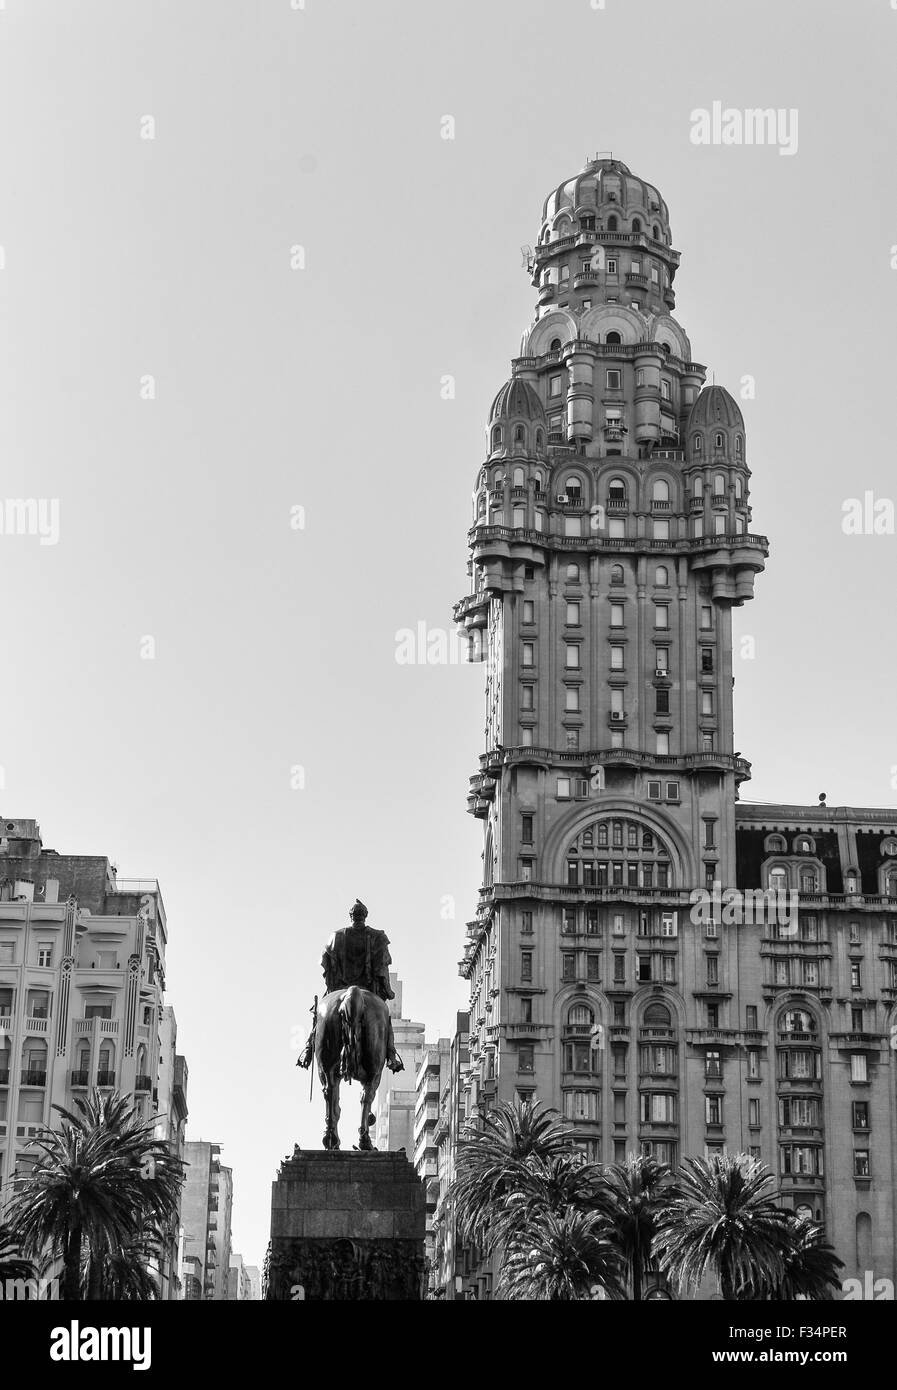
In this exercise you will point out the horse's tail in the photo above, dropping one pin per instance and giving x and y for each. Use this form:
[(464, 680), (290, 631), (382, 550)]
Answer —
[(349, 1014)]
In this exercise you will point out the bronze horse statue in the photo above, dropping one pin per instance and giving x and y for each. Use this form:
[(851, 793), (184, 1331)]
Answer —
[(351, 1037)]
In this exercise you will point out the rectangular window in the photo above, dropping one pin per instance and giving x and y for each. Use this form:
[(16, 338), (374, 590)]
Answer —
[(526, 870), (713, 1066), (564, 787), (526, 829), (611, 265), (616, 657), (571, 698), (750, 1018), (710, 834), (661, 615), (529, 610), (706, 616), (855, 975), (7, 952), (616, 615), (526, 965), (572, 655), (529, 654), (663, 744), (526, 696), (654, 791), (672, 791), (707, 703), (754, 1114), (861, 1163), (858, 1066), (526, 738), (613, 379), (668, 924), (662, 701), (573, 615), (706, 659), (568, 964), (526, 921), (620, 968), (643, 968), (713, 1110), (662, 660), (593, 967), (525, 1057), (554, 385), (712, 970), (861, 1114)]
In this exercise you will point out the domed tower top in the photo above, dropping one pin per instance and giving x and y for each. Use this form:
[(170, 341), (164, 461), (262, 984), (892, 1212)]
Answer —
[(716, 425), (606, 188), (517, 420)]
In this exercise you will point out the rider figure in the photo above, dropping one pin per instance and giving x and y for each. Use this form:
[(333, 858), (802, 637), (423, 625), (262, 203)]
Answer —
[(358, 955)]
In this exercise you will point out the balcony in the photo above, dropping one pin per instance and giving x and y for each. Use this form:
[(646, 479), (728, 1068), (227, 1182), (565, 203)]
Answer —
[(38, 1023), (79, 1078), (33, 1076), (143, 1083), (634, 277), (105, 1078)]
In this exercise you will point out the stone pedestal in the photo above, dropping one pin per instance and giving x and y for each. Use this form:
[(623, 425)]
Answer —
[(346, 1226)]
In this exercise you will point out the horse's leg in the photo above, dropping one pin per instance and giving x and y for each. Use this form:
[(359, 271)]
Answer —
[(367, 1099), (330, 1086)]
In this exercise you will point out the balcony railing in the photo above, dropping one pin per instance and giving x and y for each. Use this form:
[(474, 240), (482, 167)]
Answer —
[(105, 1078), (33, 1076), (143, 1083), (80, 1078)]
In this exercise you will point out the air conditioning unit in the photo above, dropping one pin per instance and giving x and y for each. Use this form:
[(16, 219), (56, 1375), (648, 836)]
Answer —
[(562, 497), (617, 715), (661, 672)]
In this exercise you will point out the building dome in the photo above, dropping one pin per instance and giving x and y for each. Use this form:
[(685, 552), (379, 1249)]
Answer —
[(715, 408), (517, 400), (608, 187)]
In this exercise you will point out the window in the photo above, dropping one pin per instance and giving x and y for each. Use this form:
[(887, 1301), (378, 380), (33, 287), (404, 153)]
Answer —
[(706, 616), (529, 610), (713, 970), (7, 952), (526, 965), (713, 1110), (860, 1110), (707, 703), (663, 744), (616, 574), (616, 615), (593, 967), (661, 577), (750, 1018), (706, 659), (713, 1066), (753, 1064), (661, 615), (526, 697), (529, 654), (525, 1057), (526, 738), (662, 660), (657, 1107), (564, 787), (613, 379), (573, 615), (861, 1163), (573, 576), (643, 968), (526, 829), (662, 698), (616, 657), (619, 968), (568, 966), (571, 698), (858, 1067), (526, 922), (571, 655), (98, 1011), (709, 834), (611, 260), (754, 1114), (855, 980)]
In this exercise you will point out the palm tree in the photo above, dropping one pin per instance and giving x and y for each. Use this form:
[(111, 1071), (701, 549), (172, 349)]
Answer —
[(561, 1256), (723, 1217), (633, 1197), (501, 1157), (102, 1184), (811, 1269)]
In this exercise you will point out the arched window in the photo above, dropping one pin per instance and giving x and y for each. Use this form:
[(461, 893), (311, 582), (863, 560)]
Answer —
[(496, 437), (573, 574), (719, 485), (518, 477), (697, 444), (797, 1021), (540, 440), (808, 881), (518, 434), (497, 480), (666, 347), (739, 489), (657, 1016), (697, 486), (891, 884), (613, 222), (580, 1016), (573, 489), (538, 478), (616, 574), (661, 577), (481, 504), (655, 232), (636, 224), (555, 345), (803, 845), (775, 844), (660, 492), (739, 446), (616, 490), (778, 880), (614, 339), (719, 440)]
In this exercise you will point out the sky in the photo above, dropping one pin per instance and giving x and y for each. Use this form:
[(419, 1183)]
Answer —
[(240, 260)]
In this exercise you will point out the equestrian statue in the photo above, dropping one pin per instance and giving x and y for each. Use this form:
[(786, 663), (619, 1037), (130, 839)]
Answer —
[(351, 1037)]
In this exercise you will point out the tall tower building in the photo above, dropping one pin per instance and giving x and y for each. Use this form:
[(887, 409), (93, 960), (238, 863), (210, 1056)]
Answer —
[(610, 540)]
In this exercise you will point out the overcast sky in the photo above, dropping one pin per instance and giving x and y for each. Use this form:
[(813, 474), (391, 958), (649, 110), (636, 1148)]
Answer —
[(277, 127)]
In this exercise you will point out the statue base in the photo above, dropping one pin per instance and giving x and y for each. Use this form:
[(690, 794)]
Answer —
[(346, 1226)]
